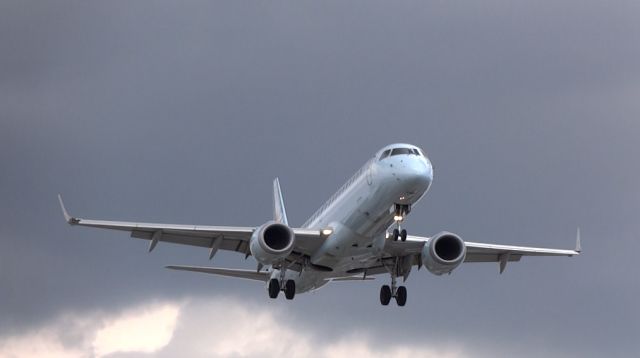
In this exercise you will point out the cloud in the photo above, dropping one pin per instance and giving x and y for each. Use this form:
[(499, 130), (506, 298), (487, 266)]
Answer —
[(41, 343), (137, 332), (218, 327), (144, 329), (54, 339)]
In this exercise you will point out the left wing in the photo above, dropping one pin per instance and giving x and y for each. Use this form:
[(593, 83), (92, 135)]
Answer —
[(476, 251), (231, 238)]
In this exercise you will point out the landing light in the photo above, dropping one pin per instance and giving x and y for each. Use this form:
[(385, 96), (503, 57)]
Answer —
[(327, 232), (398, 218)]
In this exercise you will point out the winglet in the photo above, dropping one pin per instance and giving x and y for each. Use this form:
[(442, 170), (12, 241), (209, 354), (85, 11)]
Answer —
[(68, 218), (578, 246)]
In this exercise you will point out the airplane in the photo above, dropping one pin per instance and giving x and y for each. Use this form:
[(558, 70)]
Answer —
[(355, 235)]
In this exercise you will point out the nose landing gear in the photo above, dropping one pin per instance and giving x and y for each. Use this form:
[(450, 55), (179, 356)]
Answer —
[(400, 212)]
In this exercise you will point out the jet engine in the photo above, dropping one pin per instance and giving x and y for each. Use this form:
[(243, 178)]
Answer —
[(271, 242), (443, 253)]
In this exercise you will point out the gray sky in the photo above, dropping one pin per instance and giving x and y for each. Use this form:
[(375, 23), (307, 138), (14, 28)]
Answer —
[(184, 112)]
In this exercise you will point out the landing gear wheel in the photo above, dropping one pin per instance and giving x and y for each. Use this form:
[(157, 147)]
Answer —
[(401, 296), (274, 288), (290, 289), (385, 295), (403, 235), (395, 234)]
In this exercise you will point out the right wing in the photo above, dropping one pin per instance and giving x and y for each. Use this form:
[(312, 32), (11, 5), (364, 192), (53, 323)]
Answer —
[(230, 238)]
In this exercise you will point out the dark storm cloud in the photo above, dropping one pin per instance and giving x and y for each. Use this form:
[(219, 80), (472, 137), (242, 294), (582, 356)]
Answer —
[(184, 112)]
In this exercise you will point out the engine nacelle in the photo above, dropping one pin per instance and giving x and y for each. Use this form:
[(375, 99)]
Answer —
[(271, 242), (443, 253)]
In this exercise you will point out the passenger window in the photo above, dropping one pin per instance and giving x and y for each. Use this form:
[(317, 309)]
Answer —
[(385, 154)]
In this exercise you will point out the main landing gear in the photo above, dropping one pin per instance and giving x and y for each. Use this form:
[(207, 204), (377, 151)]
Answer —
[(400, 212), (400, 293), (289, 288)]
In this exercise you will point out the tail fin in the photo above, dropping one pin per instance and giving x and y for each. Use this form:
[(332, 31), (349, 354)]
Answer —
[(279, 213)]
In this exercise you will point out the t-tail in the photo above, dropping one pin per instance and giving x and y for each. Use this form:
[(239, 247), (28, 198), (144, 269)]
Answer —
[(279, 213)]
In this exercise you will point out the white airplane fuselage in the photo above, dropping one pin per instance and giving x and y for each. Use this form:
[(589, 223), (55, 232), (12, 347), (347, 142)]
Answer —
[(360, 213)]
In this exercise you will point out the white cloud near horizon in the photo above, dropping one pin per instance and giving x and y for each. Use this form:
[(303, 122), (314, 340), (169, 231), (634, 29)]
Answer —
[(139, 330), (216, 327)]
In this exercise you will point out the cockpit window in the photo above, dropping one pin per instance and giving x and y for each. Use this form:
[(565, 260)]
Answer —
[(398, 151)]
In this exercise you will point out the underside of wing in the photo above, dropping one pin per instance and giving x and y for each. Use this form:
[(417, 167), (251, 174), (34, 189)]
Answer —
[(480, 252), (245, 274)]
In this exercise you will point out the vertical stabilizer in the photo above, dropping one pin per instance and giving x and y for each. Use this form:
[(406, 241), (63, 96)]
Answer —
[(279, 213)]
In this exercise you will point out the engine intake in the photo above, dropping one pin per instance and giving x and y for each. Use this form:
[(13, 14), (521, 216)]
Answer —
[(271, 242), (443, 253)]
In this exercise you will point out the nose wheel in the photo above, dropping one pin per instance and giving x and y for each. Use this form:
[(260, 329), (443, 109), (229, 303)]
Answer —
[(399, 234)]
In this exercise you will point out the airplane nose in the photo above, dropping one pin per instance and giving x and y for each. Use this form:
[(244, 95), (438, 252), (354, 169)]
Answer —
[(419, 175)]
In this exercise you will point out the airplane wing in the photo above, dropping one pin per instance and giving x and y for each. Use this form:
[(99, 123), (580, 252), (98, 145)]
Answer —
[(231, 238), (476, 251)]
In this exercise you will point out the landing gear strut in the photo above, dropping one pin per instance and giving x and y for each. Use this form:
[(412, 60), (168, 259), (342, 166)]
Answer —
[(400, 293)]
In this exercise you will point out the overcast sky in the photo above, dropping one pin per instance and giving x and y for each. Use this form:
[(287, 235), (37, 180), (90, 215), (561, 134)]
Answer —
[(184, 112)]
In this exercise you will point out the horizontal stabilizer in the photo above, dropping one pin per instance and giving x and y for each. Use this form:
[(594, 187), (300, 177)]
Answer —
[(246, 274)]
